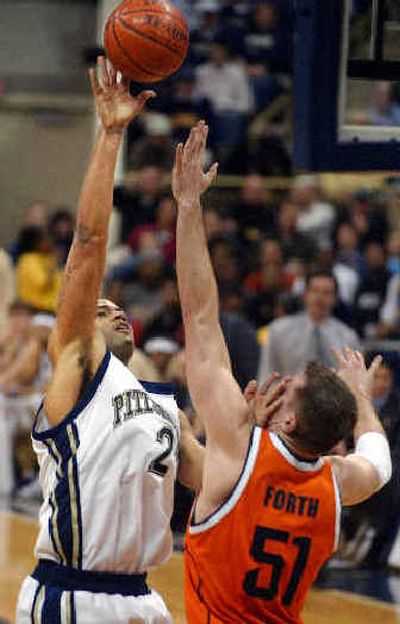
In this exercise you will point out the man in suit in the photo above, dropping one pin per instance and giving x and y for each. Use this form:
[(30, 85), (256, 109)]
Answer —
[(297, 339)]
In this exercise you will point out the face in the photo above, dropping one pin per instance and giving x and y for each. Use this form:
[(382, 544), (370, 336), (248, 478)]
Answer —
[(375, 256), (320, 298), (117, 332), (347, 237), (218, 54), (253, 190), (288, 216), (265, 16), (383, 382)]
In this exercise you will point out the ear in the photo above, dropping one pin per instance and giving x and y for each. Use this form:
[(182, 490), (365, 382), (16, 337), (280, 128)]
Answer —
[(290, 422)]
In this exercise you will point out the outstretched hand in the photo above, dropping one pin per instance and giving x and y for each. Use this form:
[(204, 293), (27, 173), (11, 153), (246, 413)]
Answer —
[(116, 107), (189, 181), (354, 372), (265, 402)]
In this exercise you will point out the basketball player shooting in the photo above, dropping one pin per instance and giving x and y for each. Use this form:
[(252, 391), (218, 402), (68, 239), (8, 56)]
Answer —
[(268, 513), (107, 446)]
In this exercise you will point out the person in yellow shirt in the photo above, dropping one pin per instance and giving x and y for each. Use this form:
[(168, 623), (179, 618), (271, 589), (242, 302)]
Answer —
[(38, 272)]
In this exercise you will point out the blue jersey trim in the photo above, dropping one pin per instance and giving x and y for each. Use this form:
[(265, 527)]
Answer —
[(84, 402), (35, 597), (51, 611), (51, 574), (158, 387)]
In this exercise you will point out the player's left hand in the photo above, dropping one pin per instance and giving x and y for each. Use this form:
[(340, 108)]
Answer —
[(354, 372), (264, 402), (115, 105), (189, 181)]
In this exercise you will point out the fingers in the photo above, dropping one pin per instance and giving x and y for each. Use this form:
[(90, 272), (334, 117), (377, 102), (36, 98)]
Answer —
[(251, 390), (267, 384), (212, 173), (377, 361), (102, 64), (144, 97), (94, 81)]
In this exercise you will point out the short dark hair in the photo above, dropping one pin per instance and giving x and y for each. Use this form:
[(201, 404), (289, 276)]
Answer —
[(326, 410), (324, 274)]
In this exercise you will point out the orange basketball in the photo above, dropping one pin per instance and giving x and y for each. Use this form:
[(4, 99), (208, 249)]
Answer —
[(147, 40)]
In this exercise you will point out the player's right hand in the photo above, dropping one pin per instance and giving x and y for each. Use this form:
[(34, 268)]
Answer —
[(354, 372), (115, 105)]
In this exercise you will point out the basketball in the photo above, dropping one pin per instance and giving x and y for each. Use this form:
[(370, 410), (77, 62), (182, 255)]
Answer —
[(147, 40)]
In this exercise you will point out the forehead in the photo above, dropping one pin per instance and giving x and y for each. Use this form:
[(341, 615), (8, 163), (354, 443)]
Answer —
[(107, 306)]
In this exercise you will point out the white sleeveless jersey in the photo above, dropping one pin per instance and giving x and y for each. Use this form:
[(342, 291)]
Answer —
[(107, 474)]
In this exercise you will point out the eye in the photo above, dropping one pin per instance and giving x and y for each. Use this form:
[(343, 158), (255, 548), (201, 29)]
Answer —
[(101, 314)]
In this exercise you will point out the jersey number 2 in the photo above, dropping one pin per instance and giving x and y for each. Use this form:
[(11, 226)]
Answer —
[(260, 555), (165, 435)]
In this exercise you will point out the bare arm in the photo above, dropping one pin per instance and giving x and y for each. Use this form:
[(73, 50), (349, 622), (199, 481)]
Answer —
[(74, 348), (216, 396), (25, 367), (357, 475)]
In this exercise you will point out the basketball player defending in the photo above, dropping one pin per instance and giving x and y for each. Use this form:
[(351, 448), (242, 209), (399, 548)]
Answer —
[(107, 445), (268, 513)]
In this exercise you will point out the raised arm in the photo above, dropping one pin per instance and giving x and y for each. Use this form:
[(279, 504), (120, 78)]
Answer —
[(365, 471), (74, 344), (216, 396)]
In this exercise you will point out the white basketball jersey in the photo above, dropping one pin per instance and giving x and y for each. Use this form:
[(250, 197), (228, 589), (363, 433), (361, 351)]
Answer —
[(107, 474)]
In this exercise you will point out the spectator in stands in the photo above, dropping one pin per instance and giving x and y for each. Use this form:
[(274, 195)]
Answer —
[(368, 217), (161, 232), (16, 333), (139, 293), (254, 216), (267, 51), (22, 386), (185, 106), (226, 85), (347, 247), (154, 149), (383, 509), (316, 217), (38, 273), (225, 260), (393, 252), (295, 244), (371, 292), (293, 341), (389, 326), (7, 288), (61, 228), (384, 110), (160, 350), (202, 37), (139, 206), (236, 12), (265, 285), (168, 319), (36, 215)]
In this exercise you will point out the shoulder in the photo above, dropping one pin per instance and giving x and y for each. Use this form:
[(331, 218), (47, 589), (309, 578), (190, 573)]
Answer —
[(343, 330), (287, 323)]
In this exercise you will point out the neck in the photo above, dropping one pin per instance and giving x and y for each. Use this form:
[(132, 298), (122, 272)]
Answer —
[(296, 450)]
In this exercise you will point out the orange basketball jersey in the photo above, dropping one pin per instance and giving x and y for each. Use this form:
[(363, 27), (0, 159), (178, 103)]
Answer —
[(254, 559)]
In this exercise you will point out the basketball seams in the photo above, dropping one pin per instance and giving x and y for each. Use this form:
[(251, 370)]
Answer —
[(149, 37), (130, 59)]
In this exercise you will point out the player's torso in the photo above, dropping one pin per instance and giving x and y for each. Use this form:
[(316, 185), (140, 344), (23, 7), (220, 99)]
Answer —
[(108, 476), (256, 557)]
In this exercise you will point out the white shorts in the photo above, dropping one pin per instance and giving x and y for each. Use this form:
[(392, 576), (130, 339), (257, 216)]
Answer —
[(46, 604)]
